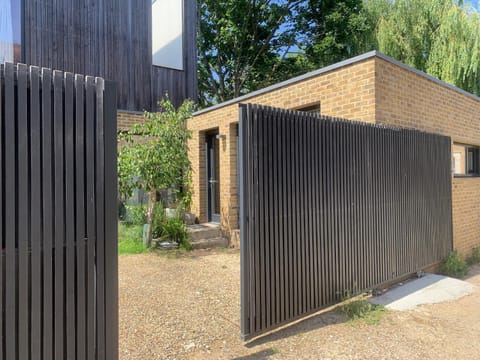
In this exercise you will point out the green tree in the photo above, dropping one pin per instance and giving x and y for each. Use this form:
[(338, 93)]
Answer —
[(440, 37), (244, 45), (153, 156), (333, 31)]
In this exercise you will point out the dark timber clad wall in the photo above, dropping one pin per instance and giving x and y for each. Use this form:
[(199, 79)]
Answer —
[(111, 39), (58, 266), (331, 205)]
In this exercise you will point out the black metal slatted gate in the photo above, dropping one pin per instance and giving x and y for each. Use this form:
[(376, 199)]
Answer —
[(58, 267), (329, 205)]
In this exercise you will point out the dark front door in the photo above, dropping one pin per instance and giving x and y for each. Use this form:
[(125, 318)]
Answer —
[(213, 178)]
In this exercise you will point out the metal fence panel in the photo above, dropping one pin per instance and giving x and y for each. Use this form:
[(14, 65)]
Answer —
[(331, 205), (58, 268)]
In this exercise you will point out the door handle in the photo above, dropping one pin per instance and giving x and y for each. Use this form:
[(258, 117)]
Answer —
[(211, 181)]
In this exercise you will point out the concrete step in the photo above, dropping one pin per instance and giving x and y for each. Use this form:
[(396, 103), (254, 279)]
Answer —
[(209, 243), (204, 231)]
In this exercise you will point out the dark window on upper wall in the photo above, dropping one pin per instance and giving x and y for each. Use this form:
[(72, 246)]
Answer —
[(465, 160), (10, 31), (312, 108)]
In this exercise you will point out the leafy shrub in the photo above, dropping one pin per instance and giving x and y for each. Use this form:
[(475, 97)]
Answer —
[(474, 257), (359, 308), (454, 265), (135, 215), (174, 229), (159, 218)]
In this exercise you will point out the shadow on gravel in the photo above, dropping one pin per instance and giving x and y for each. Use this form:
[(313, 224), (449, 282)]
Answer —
[(473, 272), (311, 323), (259, 355)]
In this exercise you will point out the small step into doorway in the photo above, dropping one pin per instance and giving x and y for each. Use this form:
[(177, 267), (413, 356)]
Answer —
[(213, 176)]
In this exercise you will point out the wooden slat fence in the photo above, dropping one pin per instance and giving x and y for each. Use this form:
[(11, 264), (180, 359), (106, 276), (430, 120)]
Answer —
[(58, 268), (330, 205)]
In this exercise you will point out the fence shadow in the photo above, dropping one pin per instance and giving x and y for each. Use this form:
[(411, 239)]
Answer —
[(263, 354), (327, 317)]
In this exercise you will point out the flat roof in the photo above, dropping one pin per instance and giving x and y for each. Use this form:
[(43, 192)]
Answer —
[(333, 67)]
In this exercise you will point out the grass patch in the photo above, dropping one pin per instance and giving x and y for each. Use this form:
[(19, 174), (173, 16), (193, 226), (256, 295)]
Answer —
[(130, 239), (355, 308), (454, 265)]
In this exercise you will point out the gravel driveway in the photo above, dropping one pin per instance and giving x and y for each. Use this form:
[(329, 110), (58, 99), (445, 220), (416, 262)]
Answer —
[(188, 308)]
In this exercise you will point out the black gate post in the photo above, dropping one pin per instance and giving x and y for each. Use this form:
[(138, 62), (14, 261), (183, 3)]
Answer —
[(111, 231)]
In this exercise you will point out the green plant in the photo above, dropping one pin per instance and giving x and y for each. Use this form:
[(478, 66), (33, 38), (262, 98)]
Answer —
[(159, 218), (154, 156), (174, 229), (135, 215), (454, 265), (130, 239), (474, 257), (358, 307)]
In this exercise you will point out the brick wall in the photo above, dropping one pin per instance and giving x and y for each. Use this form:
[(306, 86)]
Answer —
[(371, 90), (125, 120), (406, 99), (347, 92)]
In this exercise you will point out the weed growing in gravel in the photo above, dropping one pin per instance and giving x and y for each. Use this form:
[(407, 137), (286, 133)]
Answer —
[(454, 265), (358, 307), (474, 257)]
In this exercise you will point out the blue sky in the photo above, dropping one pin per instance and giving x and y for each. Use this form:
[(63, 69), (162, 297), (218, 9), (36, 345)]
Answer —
[(474, 3)]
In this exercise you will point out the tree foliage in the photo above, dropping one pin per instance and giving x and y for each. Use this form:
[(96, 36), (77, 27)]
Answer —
[(154, 155), (440, 37), (333, 30), (243, 45)]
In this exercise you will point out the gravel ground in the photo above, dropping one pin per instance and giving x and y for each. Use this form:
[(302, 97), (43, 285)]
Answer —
[(188, 307)]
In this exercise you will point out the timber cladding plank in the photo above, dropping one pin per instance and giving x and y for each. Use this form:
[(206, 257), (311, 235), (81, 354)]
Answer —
[(23, 209), (80, 222), (59, 214), (331, 206), (58, 267), (111, 39), (47, 212), (36, 214), (69, 146), (10, 286), (90, 213), (100, 215)]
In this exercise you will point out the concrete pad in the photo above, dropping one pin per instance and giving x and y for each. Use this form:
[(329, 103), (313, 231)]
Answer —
[(429, 289)]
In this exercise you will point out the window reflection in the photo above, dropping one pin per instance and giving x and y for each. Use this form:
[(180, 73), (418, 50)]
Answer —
[(465, 160), (167, 33)]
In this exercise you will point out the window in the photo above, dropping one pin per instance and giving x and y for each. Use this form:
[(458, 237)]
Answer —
[(167, 33), (465, 160), (312, 108), (10, 31)]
